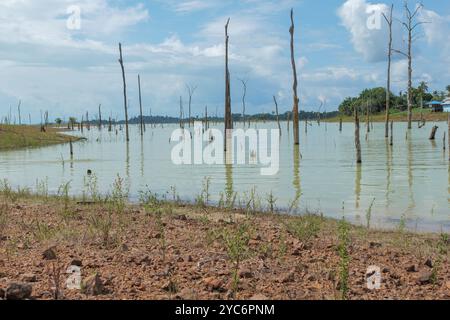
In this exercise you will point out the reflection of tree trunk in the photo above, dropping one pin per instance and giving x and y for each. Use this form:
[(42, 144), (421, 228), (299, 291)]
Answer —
[(294, 71), (358, 185), (448, 137), (392, 133), (389, 164), (340, 124), (296, 182)]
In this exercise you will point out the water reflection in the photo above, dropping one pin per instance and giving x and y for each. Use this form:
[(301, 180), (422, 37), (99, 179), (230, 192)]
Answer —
[(358, 178)]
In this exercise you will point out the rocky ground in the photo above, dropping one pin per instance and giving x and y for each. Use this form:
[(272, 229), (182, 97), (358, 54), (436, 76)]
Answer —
[(181, 252)]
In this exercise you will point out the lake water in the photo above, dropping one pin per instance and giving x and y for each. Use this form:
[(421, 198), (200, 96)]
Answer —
[(409, 182)]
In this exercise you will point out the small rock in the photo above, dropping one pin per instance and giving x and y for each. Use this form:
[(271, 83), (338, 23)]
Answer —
[(76, 263), (412, 268), (259, 297), (375, 245), (246, 274), (49, 254), (125, 247), (290, 277), (429, 263), (181, 217), (311, 278), (18, 291), (424, 277), (93, 285), (170, 286), (29, 277), (213, 284)]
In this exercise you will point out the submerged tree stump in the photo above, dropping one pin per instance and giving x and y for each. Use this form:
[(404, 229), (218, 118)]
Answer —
[(433, 132)]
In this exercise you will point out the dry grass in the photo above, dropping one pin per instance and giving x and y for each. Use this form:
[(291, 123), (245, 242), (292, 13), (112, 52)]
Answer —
[(18, 137)]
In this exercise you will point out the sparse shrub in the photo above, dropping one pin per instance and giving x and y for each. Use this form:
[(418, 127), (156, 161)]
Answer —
[(305, 227), (271, 202), (101, 225), (236, 243), (90, 191), (119, 196), (4, 211), (42, 231), (344, 257)]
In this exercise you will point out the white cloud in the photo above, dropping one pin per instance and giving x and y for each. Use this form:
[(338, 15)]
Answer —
[(367, 39)]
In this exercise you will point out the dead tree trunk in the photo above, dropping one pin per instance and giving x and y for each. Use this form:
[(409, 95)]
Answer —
[(410, 25), (124, 93), (295, 119), (181, 112), (276, 111), (433, 132), (71, 148), (357, 138), (18, 110), (448, 121), (140, 106), (340, 124), (244, 85), (206, 118), (389, 21), (228, 115), (191, 91), (109, 125), (99, 117)]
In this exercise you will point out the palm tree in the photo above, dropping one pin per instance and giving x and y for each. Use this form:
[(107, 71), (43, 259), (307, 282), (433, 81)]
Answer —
[(58, 121), (423, 88)]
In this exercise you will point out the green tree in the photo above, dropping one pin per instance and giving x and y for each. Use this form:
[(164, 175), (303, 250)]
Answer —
[(58, 121)]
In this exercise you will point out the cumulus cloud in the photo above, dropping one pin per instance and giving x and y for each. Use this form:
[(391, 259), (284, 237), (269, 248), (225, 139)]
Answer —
[(367, 27)]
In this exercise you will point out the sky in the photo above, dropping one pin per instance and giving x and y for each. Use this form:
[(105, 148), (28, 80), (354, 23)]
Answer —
[(62, 55)]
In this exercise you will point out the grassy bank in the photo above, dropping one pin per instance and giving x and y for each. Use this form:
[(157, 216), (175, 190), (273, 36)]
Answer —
[(170, 250), (18, 137), (398, 116)]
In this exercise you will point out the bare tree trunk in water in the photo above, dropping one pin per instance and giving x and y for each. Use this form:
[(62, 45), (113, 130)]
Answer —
[(276, 110), (433, 132), (124, 93), (244, 85), (99, 117), (140, 105), (295, 120), (357, 138), (389, 21), (228, 115)]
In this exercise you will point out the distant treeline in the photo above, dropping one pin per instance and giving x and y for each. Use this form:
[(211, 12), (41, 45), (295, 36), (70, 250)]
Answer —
[(236, 117)]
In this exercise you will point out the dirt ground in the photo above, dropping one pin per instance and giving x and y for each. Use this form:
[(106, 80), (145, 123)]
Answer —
[(185, 252)]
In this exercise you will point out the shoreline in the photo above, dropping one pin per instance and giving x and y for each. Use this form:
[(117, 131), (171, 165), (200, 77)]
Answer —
[(161, 250), (15, 137)]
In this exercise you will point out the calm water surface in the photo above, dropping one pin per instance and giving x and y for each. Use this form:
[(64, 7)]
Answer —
[(410, 181)]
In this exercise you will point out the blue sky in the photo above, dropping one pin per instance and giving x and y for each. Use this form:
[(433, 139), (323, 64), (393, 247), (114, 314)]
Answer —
[(172, 43)]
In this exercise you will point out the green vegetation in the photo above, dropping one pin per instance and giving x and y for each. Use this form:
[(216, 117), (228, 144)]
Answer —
[(17, 137), (375, 100)]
